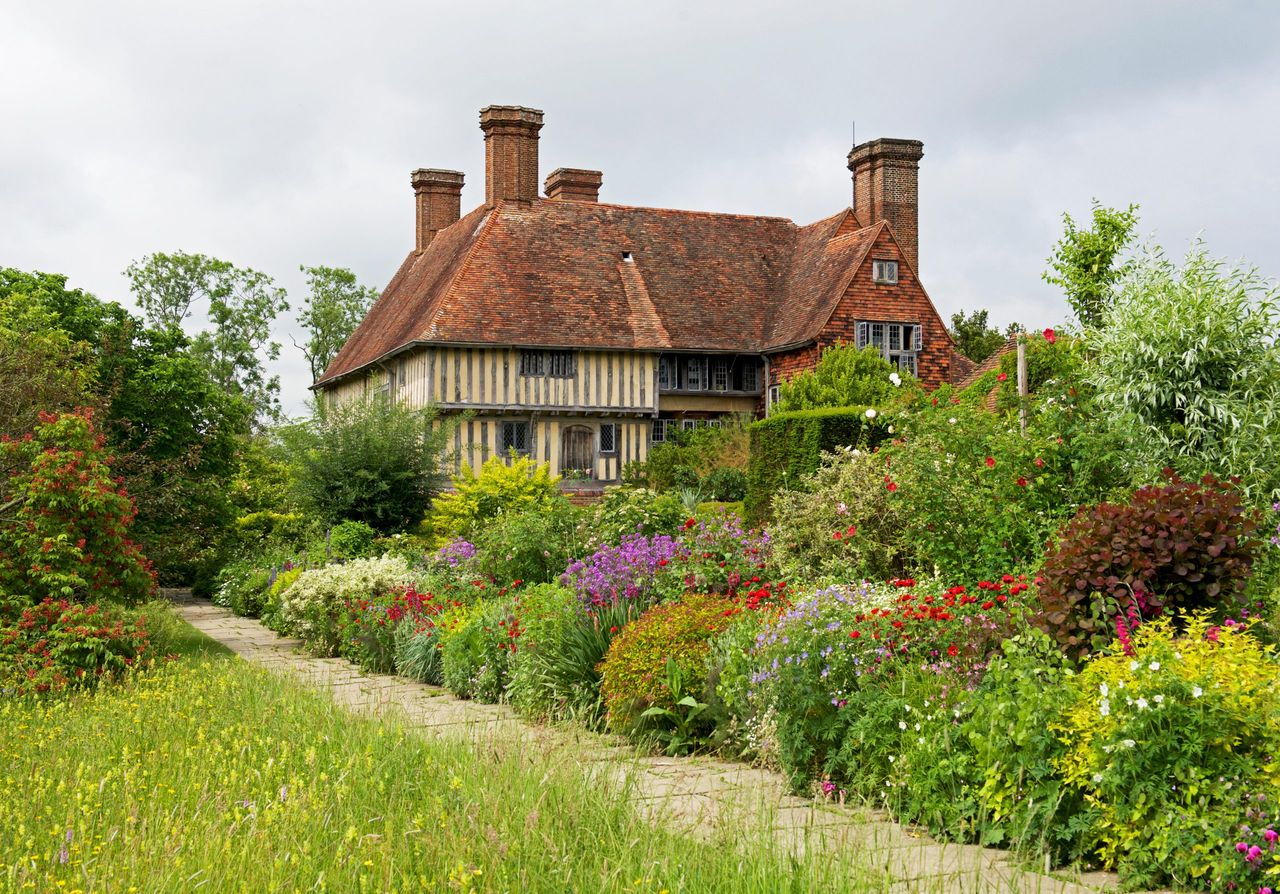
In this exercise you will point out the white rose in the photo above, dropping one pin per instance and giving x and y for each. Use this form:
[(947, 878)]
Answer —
[(871, 413)]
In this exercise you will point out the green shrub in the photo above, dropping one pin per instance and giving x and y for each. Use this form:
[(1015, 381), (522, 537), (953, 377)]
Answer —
[(257, 528), (665, 649), (476, 649), (845, 376), (1172, 747), (64, 528), (631, 510), (843, 526), (369, 626), (690, 456), (1178, 547), (1186, 358), (976, 496), (377, 461), (418, 653), (533, 545), (730, 671), (786, 448), (351, 540), (726, 485), (504, 485), (56, 645)]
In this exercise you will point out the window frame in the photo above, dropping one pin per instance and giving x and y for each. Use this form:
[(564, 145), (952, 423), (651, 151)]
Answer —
[(612, 449), (884, 271), (510, 427)]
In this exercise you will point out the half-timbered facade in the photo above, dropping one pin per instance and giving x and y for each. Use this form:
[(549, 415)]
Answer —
[(579, 333)]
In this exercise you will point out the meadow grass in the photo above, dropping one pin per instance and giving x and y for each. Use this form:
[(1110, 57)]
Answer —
[(204, 773)]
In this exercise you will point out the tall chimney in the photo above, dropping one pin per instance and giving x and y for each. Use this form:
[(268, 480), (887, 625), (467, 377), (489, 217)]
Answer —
[(886, 186), (574, 185), (510, 154), (438, 197)]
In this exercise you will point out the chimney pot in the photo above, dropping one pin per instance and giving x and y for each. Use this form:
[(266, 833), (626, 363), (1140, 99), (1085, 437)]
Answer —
[(574, 185), (886, 186), (438, 198), (510, 154)]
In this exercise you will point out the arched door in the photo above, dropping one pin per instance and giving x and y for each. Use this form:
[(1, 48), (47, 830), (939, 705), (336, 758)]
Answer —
[(577, 452)]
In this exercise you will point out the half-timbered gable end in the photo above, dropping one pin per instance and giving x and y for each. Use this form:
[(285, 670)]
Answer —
[(579, 332)]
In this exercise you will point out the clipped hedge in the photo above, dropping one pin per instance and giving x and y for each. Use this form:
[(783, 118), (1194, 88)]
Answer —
[(787, 447)]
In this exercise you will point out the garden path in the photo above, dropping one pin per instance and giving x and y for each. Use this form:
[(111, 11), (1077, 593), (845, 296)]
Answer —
[(692, 793)]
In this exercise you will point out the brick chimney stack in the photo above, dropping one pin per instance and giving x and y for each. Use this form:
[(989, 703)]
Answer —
[(438, 197), (574, 185), (886, 186), (510, 154)]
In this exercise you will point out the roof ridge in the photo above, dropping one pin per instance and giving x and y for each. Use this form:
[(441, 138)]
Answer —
[(686, 211)]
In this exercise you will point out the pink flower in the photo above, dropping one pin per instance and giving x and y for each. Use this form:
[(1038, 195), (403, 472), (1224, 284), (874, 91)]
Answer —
[(1050, 336)]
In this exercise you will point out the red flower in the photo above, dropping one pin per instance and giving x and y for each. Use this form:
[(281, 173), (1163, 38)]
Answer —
[(988, 605), (1021, 482), (837, 536), (1050, 336), (690, 523), (952, 650), (991, 462), (891, 486), (1003, 377), (613, 629), (1039, 463), (855, 634)]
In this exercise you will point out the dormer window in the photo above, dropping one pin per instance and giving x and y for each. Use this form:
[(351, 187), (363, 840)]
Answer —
[(884, 271)]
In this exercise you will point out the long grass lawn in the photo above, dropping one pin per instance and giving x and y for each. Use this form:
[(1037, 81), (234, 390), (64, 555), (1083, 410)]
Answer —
[(207, 774)]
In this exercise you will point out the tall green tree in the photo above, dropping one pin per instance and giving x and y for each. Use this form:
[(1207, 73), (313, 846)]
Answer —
[(975, 338), (845, 376), (1086, 262), (240, 304), (333, 308)]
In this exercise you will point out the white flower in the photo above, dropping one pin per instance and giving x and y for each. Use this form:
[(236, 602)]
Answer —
[(895, 379), (902, 724), (841, 509), (917, 727), (1097, 777), (1158, 699), (1142, 704), (1196, 692), (1104, 689), (952, 420), (921, 740), (1128, 743), (890, 429), (1155, 665), (871, 413), (892, 758), (1104, 708), (1133, 665)]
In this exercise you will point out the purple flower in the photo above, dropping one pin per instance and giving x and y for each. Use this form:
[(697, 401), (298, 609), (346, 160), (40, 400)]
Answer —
[(455, 552)]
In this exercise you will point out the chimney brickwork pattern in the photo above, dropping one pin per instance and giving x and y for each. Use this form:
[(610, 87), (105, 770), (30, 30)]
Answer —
[(438, 197), (886, 186), (510, 154)]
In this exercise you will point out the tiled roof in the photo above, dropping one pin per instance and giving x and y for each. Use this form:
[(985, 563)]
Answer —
[(591, 275), (992, 362)]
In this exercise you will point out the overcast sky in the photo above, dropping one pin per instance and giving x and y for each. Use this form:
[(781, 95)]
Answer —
[(278, 134)]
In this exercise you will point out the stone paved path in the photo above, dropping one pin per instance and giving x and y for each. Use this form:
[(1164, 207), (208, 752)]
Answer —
[(691, 793)]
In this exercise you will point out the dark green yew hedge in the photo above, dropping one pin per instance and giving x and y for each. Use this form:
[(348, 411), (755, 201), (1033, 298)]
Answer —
[(787, 447)]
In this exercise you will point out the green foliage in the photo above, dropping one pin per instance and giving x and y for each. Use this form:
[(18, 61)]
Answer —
[(332, 310), (351, 540), (64, 519), (845, 376), (374, 460), (663, 651), (418, 653), (555, 669), (977, 498), (627, 510), (280, 527), (844, 525), (533, 546), (731, 668), (240, 304), (786, 448), (505, 484), (476, 648), (726, 485), (974, 338), (1172, 747), (1187, 358), (1084, 261), (56, 645), (1173, 548)]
